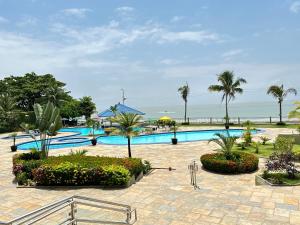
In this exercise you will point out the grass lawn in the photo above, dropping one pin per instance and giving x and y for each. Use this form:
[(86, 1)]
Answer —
[(264, 150), (283, 178)]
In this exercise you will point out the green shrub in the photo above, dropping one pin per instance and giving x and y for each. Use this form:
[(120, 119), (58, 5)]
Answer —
[(22, 178), (217, 162), (78, 169)]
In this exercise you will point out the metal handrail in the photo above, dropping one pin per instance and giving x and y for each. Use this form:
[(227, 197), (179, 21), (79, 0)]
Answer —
[(73, 202)]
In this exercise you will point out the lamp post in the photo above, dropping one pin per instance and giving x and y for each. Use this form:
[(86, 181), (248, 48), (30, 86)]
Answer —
[(123, 96)]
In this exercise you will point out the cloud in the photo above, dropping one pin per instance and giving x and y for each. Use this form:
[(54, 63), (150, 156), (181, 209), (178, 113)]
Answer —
[(191, 36), (124, 9), (76, 12), (176, 19), (295, 7), (3, 20), (232, 53), (27, 21)]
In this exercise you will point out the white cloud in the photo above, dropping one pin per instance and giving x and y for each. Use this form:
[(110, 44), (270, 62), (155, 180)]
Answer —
[(192, 36), (125, 9), (27, 21), (3, 20), (232, 53), (176, 19), (295, 7), (76, 12)]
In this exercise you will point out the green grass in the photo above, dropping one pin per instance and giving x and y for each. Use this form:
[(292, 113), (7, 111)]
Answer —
[(284, 178), (264, 150)]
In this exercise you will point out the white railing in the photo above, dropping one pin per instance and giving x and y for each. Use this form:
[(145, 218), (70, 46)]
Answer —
[(71, 206)]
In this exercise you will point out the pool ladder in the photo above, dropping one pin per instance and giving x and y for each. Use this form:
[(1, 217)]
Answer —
[(72, 204)]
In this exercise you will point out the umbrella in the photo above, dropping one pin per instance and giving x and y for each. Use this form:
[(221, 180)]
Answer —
[(165, 118)]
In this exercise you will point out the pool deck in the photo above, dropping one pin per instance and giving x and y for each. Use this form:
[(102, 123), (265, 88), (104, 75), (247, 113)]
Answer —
[(166, 197)]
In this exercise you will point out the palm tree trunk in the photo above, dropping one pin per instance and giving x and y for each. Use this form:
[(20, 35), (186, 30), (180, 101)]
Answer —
[(280, 112), (129, 149), (226, 106), (185, 105)]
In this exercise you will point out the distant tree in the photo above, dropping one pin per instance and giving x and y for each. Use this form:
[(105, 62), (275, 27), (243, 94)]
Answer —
[(184, 92), (280, 94), (70, 108), (86, 106), (296, 112), (127, 126), (229, 86)]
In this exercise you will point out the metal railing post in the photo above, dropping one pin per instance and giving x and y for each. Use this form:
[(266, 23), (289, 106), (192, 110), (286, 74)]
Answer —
[(73, 211), (270, 119)]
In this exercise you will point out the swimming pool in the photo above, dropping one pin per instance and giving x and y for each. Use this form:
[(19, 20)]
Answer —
[(78, 139)]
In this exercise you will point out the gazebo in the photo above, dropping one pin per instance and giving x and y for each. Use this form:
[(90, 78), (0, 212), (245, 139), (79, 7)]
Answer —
[(120, 108)]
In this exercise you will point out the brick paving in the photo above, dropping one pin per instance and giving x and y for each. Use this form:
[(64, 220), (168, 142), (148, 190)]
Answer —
[(166, 197)]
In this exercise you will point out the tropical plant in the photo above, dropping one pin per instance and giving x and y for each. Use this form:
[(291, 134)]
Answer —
[(296, 112), (114, 109), (78, 152), (247, 136), (264, 139), (8, 112), (280, 94), (174, 128), (95, 125), (226, 143), (48, 123), (184, 92), (128, 124), (283, 157), (14, 135), (229, 86), (86, 106)]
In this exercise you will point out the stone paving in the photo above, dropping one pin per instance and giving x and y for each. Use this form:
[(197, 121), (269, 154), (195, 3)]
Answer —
[(166, 197)]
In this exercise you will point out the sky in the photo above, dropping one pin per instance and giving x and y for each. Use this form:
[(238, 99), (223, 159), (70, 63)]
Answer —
[(150, 48)]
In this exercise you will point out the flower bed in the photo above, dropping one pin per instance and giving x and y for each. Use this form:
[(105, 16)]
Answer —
[(29, 169), (240, 163)]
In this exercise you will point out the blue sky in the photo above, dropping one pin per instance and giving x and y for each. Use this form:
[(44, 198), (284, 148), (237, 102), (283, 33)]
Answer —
[(150, 48)]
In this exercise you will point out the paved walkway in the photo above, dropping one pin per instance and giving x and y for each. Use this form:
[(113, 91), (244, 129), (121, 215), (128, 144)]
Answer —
[(166, 197)]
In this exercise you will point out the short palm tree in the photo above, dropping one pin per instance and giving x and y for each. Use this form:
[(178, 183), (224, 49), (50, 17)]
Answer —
[(226, 143), (184, 92), (229, 86), (280, 94), (128, 123)]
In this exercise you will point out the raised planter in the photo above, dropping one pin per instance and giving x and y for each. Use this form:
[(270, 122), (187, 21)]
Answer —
[(174, 141), (261, 181)]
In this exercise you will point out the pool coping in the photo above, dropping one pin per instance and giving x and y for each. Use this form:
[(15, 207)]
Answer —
[(98, 141)]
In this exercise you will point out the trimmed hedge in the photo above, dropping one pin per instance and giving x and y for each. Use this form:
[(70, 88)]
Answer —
[(242, 163), (76, 170)]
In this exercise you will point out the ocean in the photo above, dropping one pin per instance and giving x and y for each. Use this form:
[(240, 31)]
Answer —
[(250, 110)]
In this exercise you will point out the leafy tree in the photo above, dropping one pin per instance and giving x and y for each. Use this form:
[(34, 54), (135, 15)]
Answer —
[(226, 142), (48, 121), (86, 106), (70, 109), (31, 87), (296, 112), (128, 123), (184, 92), (229, 86), (280, 94), (8, 112)]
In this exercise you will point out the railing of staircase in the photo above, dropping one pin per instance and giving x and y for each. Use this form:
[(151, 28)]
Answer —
[(72, 204)]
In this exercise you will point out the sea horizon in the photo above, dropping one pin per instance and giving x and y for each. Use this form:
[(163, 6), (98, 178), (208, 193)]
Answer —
[(236, 109)]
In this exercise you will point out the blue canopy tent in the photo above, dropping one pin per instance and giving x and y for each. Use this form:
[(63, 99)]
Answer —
[(120, 108)]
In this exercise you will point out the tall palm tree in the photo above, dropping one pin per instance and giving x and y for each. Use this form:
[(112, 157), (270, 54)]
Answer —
[(128, 123), (280, 94), (229, 86), (184, 92)]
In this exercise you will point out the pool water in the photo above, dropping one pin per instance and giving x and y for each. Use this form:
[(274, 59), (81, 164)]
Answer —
[(84, 131), (79, 138)]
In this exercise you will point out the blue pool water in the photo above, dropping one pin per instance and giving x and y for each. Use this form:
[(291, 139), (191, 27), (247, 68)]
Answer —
[(84, 131), (79, 139)]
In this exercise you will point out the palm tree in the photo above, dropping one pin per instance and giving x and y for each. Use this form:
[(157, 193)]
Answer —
[(184, 92), (128, 123), (229, 86), (280, 94), (226, 142)]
